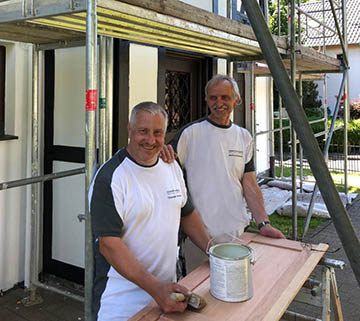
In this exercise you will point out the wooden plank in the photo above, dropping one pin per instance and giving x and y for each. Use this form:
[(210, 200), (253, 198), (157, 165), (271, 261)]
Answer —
[(278, 274), (196, 277), (286, 244), (149, 313), (296, 283), (335, 297), (193, 14)]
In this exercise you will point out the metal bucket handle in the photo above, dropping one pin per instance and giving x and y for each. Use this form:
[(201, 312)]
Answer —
[(210, 243)]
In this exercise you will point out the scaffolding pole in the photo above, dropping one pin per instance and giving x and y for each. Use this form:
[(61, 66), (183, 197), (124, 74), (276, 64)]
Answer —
[(102, 102), (326, 149), (40, 178), (340, 217), (293, 132), (109, 95), (346, 97), (90, 145), (35, 188)]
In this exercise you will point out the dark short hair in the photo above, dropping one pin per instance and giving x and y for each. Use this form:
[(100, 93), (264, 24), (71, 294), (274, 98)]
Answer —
[(149, 107), (219, 78)]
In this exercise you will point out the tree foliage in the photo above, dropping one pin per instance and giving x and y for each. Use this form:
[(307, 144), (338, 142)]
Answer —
[(284, 14)]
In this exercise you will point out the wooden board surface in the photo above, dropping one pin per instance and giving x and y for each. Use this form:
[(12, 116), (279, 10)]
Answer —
[(281, 268)]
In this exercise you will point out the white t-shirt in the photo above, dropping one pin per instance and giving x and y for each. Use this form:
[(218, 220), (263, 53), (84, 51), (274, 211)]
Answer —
[(215, 159), (142, 205)]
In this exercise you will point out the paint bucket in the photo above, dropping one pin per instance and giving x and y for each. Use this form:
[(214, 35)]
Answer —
[(231, 272)]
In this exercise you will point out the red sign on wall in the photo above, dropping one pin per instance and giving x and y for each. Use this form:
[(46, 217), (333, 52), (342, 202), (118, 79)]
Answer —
[(91, 99)]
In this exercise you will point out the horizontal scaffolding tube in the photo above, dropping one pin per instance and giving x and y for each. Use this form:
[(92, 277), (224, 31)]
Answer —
[(38, 179)]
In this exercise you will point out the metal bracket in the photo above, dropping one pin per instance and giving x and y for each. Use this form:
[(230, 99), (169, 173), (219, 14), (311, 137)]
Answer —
[(81, 217)]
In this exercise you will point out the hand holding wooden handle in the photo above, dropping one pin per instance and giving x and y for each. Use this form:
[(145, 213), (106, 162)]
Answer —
[(179, 297)]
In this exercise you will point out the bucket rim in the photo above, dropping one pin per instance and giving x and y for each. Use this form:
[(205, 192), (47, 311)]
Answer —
[(251, 251)]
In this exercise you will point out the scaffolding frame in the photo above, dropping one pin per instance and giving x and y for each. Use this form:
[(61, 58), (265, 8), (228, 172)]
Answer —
[(63, 24), (293, 8)]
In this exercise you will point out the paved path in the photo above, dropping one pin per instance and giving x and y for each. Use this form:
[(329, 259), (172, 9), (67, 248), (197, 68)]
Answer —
[(348, 286)]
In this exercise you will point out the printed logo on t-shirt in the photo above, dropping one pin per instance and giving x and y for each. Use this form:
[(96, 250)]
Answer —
[(174, 193), (236, 153)]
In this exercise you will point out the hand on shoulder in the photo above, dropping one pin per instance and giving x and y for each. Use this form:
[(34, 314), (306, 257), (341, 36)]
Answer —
[(167, 154)]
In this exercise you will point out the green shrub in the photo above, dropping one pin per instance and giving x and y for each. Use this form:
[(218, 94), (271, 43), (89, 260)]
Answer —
[(353, 132), (316, 127)]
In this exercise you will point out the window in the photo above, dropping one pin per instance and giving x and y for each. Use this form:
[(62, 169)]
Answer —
[(3, 134)]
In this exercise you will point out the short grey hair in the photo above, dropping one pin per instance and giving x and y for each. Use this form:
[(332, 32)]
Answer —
[(149, 107), (219, 78)]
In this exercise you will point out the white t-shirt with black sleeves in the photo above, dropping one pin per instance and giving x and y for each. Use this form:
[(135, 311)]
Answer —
[(142, 205)]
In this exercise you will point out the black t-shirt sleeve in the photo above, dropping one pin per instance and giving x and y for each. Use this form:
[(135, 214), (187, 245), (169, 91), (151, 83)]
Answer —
[(104, 216), (249, 166), (188, 207)]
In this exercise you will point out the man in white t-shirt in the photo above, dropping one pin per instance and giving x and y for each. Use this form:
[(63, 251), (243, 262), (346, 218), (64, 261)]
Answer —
[(137, 203), (217, 156)]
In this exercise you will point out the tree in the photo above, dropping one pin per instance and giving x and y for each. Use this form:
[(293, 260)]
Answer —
[(284, 14)]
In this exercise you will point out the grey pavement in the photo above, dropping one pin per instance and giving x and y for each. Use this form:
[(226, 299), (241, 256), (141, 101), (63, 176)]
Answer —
[(349, 289), (56, 307)]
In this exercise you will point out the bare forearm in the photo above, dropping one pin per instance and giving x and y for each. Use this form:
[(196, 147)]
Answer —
[(255, 202), (125, 263), (254, 198)]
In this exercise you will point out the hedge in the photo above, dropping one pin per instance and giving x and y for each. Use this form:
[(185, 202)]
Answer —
[(338, 136)]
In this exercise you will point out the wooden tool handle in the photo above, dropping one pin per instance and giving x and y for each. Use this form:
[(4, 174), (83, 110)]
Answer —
[(176, 296)]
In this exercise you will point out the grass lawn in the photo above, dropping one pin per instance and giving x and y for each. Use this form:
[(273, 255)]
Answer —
[(284, 224)]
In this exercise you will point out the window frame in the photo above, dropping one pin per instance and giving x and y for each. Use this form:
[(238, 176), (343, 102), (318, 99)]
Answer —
[(2, 89), (3, 135)]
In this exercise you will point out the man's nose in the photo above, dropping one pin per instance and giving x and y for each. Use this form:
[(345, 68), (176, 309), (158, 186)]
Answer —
[(150, 138), (219, 102)]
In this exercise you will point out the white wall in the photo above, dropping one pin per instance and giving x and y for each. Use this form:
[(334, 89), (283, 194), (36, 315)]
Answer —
[(202, 4), (262, 114), (334, 80), (143, 74), (14, 162), (207, 5), (68, 237)]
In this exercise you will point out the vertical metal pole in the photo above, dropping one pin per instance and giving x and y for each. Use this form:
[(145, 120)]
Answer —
[(102, 102), (109, 94), (35, 171), (281, 142), (338, 213), (293, 133), (228, 62), (271, 129), (346, 99), (252, 107), (90, 148), (301, 173), (281, 138)]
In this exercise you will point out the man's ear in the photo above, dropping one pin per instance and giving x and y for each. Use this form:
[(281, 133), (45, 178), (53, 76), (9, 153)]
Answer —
[(128, 128), (236, 102)]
